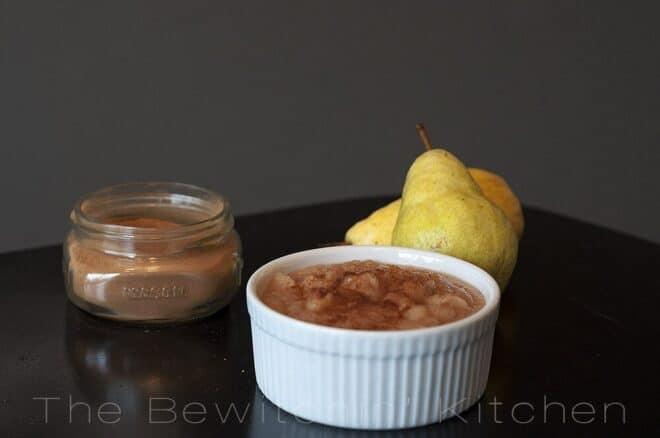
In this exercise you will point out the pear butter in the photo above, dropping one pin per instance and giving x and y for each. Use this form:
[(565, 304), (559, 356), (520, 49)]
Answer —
[(367, 295)]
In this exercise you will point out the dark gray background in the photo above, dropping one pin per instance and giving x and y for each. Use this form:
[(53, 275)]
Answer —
[(285, 103)]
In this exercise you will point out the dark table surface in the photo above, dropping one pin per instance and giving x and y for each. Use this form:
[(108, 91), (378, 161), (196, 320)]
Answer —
[(576, 342)]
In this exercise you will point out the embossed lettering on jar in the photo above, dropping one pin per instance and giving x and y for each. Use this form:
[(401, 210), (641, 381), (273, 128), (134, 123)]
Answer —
[(152, 253)]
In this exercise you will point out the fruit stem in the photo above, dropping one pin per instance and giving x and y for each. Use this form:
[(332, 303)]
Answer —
[(424, 135)]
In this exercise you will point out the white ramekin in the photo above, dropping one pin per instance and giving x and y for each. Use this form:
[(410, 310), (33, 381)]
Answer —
[(372, 379)]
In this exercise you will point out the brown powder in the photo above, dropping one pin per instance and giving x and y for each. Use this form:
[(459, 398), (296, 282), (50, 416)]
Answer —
[(152, 281), (141, 222)]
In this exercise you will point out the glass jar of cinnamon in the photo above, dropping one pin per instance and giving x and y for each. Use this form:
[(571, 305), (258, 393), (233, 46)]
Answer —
[(152, 253)]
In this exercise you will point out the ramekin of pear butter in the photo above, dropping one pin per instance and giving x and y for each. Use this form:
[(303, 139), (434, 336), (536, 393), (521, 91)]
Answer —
[(370, 378), (152, 253)]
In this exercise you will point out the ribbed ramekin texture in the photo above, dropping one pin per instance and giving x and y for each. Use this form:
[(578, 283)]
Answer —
[(363, 392)]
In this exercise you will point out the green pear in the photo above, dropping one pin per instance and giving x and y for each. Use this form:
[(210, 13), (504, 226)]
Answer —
[(444, 210)]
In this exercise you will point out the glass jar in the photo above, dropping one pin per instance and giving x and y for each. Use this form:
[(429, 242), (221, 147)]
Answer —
[(152, 253)]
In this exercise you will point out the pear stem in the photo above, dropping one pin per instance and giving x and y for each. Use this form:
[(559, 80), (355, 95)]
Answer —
[(424, 136)]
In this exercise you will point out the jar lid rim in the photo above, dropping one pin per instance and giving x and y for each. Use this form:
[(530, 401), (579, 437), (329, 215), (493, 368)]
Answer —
[(218, 211)]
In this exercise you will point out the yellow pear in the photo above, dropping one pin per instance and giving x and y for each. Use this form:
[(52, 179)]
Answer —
[(444, 210), (376, 229), (496, 189)]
